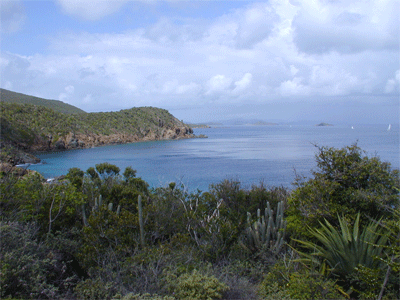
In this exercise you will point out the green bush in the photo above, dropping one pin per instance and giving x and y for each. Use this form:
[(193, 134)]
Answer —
[(145, 296), (195, 285), (94, 289), (346, 182), (288, 283), (29, 269)]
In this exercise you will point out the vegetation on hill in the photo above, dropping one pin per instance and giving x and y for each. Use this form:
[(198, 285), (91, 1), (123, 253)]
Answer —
[(34, 127), (103, 234), (56, 105)]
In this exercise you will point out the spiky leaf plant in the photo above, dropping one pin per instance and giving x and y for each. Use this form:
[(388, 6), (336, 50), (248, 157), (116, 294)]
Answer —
[(345, 249)]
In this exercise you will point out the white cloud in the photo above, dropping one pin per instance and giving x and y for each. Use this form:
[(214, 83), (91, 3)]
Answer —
[(332, 82), (346, 26), (90, 9), (218, 84), (293, 70), (12, 16), (188, 88), (243, 83), (393, 83), (255, 24), (69, 91), (293, 87), (251, 54), (170, 86), (3, 62)]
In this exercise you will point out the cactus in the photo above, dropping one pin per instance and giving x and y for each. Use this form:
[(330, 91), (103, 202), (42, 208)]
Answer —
[(265, 233), (84, 218), (141, 221), (98, 203)]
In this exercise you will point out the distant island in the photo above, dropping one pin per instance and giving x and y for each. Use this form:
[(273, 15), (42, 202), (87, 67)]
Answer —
[(262, 123), (30, 124), (324, 124), (204, 125)]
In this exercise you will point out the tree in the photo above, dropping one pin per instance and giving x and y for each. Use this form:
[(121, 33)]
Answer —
[(346, 182)]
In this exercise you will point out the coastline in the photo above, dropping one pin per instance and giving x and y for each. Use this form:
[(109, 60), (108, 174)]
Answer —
[(87, 141)]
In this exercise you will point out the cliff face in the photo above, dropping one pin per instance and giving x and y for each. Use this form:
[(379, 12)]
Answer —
[(30, 128), (76, 141)]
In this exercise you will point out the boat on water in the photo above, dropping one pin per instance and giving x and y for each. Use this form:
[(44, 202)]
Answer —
[(389, 127)]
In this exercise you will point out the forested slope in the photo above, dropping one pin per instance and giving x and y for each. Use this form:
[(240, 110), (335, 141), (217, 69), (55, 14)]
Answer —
[(56, 105), (30, 127)]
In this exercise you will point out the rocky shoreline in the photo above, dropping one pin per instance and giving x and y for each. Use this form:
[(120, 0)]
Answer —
[(80, 141), (83, 141)]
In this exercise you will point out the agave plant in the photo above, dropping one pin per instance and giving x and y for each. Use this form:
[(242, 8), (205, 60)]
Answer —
[(345, 249)]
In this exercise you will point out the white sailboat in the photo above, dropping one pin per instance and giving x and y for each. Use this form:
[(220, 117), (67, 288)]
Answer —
[(390, 126), (352, 127)]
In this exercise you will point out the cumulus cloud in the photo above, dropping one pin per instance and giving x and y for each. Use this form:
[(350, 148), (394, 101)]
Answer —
[(12, 16), (294, 87), (243, 83), (218, 84), (257, 53)]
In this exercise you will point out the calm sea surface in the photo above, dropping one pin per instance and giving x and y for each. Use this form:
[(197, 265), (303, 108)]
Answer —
[(250, 154)]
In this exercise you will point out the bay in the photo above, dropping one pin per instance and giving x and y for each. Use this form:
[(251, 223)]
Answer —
[(249, 154)]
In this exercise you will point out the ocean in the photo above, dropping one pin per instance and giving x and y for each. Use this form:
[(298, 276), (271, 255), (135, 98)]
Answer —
[(250, 154)]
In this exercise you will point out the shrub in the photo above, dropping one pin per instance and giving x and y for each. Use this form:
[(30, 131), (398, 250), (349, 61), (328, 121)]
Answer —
[(29, 268), (346, 182), (145, 296), (195, 285), (94, 289), (285, 282)]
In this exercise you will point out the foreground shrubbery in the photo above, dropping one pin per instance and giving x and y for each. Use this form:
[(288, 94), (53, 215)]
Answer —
[(87, 236)]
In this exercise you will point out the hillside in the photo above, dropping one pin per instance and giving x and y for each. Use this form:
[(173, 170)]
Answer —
[(56, 105), (28, 128)]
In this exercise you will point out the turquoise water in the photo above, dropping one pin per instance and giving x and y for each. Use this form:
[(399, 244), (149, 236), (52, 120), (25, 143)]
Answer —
[(250, 154)]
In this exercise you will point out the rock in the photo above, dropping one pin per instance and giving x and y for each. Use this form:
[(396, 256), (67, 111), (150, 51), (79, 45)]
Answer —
[(324, 124), (28, 158), (59, 145), (75, 143)]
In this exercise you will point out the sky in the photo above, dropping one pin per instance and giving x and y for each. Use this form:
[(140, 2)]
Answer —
[(335, 61)]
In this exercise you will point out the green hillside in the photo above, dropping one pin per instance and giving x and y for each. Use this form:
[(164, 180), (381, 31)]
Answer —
[(28, 128), (56, 105), (29, 124), (25, 123)]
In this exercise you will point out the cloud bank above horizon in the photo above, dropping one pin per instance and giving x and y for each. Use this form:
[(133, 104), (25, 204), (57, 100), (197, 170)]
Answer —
[(206, 60)]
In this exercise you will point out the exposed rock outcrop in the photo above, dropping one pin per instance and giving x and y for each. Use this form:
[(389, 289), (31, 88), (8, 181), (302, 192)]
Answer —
[(78, 141)]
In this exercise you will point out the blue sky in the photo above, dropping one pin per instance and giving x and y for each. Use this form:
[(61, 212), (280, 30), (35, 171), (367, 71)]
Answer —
[(289, 60)]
